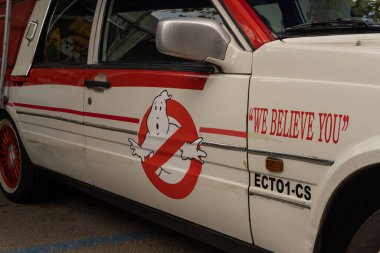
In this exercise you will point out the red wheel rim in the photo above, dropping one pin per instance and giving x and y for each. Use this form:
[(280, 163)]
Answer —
[(10, 161)]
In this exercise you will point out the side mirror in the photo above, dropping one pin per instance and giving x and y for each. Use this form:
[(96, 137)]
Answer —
[(192, 38)]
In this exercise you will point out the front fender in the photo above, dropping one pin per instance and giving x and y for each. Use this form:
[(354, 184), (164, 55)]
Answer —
[(350, 162)]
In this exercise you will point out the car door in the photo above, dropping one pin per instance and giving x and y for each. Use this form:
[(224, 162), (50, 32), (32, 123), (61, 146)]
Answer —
[(166, 132), (49, 100)]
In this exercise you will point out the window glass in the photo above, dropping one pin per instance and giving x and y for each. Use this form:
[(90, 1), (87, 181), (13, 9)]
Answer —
[(333, 16), (278, 14), (130, 27), (69, 32), (271, 15)]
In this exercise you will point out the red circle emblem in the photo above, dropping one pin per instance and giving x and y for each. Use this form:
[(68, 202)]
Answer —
[(186, 133)]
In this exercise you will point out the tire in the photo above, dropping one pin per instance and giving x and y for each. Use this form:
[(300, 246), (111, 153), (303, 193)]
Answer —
[(367, 238), (20, 181)]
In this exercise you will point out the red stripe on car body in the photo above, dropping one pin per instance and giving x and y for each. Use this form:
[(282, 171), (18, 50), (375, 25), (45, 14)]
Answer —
[(75, 112), (152, 78), (254, 28), (112, 117), (217, 131), (118, 78), (47, 108), (57, 76)]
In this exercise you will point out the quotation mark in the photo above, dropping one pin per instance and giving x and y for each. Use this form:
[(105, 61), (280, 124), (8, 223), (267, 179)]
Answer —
[(346, 122)]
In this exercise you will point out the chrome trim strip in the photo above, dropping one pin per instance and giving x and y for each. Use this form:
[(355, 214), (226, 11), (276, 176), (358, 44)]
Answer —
[(99, 17), (50, 117), (299, 204), (306, 159), (114, 129), (313, 160), (49, 127), (120, 130), (223, 146)]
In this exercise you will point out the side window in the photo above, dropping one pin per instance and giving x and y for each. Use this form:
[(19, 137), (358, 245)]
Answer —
[(68, 32), (130, 27)]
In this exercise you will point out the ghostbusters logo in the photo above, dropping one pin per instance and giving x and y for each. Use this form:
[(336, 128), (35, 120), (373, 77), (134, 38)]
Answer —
[(169, 147)]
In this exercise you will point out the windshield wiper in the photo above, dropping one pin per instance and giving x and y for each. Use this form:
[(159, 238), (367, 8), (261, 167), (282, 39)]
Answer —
[(341, 23)]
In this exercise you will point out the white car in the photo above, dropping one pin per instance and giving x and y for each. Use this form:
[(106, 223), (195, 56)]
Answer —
[(249, 124)]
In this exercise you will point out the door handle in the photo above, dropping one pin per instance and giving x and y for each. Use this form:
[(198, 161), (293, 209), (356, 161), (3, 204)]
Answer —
[(91, 84), (99, 83)]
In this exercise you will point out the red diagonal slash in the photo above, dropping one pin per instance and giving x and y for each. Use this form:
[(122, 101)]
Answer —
[(186, 133)]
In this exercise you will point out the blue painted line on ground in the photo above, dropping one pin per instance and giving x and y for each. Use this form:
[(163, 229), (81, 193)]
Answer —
[(84, 243)]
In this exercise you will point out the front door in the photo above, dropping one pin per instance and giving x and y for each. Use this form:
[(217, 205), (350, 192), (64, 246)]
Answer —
[(163, 131)]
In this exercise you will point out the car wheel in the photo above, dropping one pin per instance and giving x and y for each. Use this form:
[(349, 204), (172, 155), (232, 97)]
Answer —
[(367, 239), (20, 181)]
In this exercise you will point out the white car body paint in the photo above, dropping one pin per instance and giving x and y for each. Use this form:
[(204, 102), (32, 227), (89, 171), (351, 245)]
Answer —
[(314, 76)]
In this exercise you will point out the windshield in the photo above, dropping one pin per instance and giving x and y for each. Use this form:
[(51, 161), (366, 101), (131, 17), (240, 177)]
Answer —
[(311, 16)]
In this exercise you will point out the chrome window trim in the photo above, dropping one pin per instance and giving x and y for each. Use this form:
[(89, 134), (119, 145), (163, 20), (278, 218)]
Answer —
[(93, 54)]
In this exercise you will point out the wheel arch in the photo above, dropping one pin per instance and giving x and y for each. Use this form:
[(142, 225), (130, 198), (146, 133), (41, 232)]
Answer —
[(33, 183), (11, 112), (351, 203)]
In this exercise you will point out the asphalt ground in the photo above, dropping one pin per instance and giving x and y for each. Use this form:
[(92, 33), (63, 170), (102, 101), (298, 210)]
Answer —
[(75, 222)]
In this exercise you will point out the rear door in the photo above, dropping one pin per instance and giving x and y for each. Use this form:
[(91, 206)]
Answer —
[(163, 131), (49, 101)]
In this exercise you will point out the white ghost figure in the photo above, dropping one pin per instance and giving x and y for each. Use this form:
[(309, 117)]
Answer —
[(160, 128), (67, 48)]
